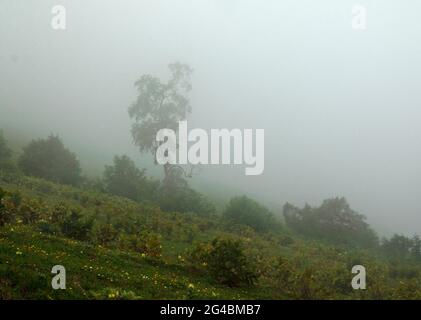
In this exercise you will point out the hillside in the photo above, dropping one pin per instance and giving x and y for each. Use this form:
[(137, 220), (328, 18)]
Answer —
[(104, 266)]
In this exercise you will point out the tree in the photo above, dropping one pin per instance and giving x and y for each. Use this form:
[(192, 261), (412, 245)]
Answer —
[(6, 163), (416, 248), (244, 210), (160, 105), (400, 247), (176, 195), (124, 179), (49, 159), (334, 221)]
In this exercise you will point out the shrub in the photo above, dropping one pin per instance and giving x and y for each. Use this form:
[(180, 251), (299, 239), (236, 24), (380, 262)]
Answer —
[(243, 210), (7, 166), (105, 233), (59, 213), (49, 159), (76, 226), (286, 241), (124, 179), (46, 227), (226, 262), (6, 212), (30, 211), (147, 243)]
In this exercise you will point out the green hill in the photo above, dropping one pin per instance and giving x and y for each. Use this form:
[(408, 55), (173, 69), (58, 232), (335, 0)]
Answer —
[(148, 253)]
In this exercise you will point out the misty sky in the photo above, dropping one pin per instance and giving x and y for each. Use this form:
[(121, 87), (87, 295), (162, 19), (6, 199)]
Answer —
[(340, 107)]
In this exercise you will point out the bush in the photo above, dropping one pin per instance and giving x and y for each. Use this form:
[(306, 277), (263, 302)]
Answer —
[(49, 159), (46, 227), (226, 262), (76, 227), (30, 211), (7, 166), (243, 210), (8, 207), (124, 179), (59, 213), (105, 234), (147, 243)]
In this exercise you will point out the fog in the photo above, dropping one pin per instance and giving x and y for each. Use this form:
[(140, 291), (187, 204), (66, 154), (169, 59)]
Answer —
[(340, 107)]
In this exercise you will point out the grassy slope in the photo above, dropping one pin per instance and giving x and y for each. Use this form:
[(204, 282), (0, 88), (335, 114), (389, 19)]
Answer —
[(92, 272), (27, 255)]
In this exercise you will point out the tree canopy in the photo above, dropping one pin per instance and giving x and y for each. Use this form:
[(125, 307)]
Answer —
[(244, 210), (49, 159), (160, 105), (334, 220)]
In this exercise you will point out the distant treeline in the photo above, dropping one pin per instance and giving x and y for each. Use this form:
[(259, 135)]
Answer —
[(333, 221)]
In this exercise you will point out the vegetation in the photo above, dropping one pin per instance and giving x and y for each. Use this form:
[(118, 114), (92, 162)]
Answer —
[(115, 248), (128, 236), (226, 261), (243, 210), (160, 105), (6, 163), (49, 159), (334, 221), (124, 179)]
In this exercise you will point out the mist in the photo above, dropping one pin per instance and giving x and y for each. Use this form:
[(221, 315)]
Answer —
[(340, 107)]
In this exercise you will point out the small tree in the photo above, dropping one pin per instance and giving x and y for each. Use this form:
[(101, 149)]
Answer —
[(5, 152), (49, 159), (6, 163), (334, 221), (178, 196), (244, 210), (124, 179), (160, 105), (76, 226)]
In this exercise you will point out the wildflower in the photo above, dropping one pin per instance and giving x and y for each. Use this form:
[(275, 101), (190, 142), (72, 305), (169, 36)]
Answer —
[(191, 286)]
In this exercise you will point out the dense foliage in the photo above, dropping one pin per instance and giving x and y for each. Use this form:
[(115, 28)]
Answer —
[(124, 179), (6, 163), (49, 159), (119, 240), (243, 210), (334, 221), (227, 262)]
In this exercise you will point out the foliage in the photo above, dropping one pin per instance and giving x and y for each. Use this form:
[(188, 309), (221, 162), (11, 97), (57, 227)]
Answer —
[(6, 163), (400, 247), (136, 251), (105, 234), (159, 105), (49, 159), (243, 210), (30, 211), (334, 221), (226, 262), (76, 226), (147, 244), (6, 215), (124, 179), (180, 197)]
